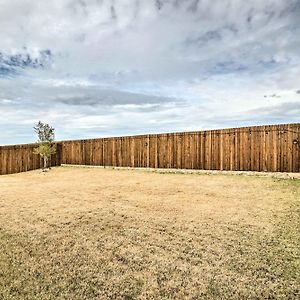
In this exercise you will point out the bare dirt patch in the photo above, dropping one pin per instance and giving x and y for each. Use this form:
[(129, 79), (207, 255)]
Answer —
[(121, 234)]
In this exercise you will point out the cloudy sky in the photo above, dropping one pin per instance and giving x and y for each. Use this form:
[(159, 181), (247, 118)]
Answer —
[(94, 68)]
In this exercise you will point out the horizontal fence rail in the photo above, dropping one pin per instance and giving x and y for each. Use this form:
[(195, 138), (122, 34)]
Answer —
[(274, 148)]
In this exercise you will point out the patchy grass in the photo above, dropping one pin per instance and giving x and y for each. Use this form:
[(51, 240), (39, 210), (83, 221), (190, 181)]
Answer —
[(108, 234)]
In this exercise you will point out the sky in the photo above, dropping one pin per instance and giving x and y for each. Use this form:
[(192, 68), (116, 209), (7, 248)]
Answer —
[(97, 68)]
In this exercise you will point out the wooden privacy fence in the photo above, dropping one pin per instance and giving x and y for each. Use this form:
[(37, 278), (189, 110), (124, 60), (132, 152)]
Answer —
[(273, 148), (20, 158), (261, 148)]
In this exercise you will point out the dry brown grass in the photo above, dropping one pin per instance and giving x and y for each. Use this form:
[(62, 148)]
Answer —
[(119, 234)]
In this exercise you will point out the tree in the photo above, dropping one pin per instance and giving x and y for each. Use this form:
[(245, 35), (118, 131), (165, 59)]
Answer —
[(45, 139)]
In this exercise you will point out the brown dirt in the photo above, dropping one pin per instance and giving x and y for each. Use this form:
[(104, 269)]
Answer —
[(77, 233)]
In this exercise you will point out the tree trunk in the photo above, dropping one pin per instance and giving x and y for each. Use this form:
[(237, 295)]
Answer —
[(45, 162)]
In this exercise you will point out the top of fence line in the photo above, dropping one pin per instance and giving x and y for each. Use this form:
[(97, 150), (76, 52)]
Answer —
[(20, 146), (258, 128)]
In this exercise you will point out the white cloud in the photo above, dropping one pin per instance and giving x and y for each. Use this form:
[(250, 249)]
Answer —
[(124, 66)]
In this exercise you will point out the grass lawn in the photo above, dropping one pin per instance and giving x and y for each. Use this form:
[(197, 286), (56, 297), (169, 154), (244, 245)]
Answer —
[(84, 233)]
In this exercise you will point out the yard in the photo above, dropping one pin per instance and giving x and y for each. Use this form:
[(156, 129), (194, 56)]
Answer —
[(79, 233)]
